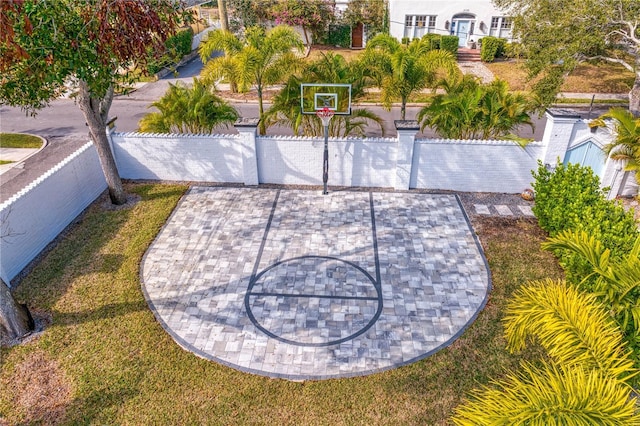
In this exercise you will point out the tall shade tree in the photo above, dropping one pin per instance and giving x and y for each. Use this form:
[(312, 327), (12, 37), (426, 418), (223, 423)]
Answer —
[(15, 321), (401, 70), (584, 380), (471, 110), (626, 143), (188, 109), (45, 45), (559, 34), (330, 68), (312, 15), (261, 58)]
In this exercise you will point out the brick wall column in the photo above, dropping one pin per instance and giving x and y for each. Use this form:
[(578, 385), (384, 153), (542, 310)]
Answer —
[(247, 128), (407, 131)]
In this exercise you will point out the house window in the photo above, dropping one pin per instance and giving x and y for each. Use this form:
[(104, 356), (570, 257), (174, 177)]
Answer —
[(415, 26), (501, 26)]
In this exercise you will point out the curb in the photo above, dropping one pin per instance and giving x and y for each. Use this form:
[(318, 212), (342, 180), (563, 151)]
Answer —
[(9, 166)]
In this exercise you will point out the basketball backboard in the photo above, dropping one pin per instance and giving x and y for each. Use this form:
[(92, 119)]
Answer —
[(316, 96)]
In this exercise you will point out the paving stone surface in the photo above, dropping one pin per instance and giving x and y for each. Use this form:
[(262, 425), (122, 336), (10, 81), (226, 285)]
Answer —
[(482, 209), (526, 210), (503, 210), (297, 285)]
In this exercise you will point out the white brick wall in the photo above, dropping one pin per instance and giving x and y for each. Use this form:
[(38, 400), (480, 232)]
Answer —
[(474, 166), (36, 215), (210, 158), (352, 162)]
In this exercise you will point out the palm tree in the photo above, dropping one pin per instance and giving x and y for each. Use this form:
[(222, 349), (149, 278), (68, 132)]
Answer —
[(261, 58), (401, 70), (617, 281), (186, 109), (471, 110), (586, 379), (626, 146), (286, 108)]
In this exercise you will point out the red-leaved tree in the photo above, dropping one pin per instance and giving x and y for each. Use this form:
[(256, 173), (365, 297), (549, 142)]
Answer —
[(48, 47), (312, 15)]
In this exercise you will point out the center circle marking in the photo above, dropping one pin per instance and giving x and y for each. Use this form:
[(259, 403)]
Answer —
[(313, 301)]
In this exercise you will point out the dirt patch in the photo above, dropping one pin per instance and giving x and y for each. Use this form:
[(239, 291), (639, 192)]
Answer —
[(250, 96), (40, 388), (132, 200)]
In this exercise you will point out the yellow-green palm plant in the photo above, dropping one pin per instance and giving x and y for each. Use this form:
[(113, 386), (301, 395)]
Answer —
[(401, 70), (225, 66), (262, 58), (617, 281), (585, 381), (188, 109), (626, 146)]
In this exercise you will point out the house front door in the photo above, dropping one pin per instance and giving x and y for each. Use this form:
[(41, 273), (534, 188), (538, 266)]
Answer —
[(462, 31)]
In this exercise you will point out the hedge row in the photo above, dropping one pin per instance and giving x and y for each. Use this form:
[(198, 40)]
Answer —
[(570, 198), (492, 48)]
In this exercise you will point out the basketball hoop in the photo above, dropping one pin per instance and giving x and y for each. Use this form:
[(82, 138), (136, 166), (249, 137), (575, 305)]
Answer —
[(325, 115)]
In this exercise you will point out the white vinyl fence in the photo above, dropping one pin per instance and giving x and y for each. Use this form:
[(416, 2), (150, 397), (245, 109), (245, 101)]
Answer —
[(35, 216)]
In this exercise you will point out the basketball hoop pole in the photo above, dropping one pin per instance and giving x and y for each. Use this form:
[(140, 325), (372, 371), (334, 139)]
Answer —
[(325, 115), (325, 165)]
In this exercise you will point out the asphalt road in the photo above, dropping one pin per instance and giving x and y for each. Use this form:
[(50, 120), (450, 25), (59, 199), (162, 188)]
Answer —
[(63, 117)]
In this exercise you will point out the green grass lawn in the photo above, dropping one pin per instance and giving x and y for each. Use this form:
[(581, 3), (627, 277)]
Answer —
[(105, 360), (19, 140), (5, 162)]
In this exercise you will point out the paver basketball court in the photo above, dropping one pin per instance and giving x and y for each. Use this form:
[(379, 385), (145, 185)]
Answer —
[(300, 285)]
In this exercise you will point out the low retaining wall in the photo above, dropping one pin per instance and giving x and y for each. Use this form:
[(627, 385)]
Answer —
[(36, 215)]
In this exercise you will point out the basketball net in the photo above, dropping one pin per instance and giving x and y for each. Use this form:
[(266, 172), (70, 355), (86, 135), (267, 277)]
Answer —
[(325, 115)]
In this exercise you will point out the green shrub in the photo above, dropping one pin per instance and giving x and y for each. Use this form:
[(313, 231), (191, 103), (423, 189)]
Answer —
[(450, 43), (570, 198), (405, 40), (180, 43), (492, 48), (514, 50), (177, 46), (432, 40), (339, 35)]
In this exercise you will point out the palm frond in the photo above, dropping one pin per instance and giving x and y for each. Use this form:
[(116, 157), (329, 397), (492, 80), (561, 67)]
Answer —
[(573, 327), (551, 395)]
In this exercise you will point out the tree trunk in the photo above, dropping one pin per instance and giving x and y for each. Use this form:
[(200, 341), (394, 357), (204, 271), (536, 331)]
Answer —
[(262, 130), (634, 94), (306, 35), (96, 112), (222, 12), (15, 320), (403, 109)]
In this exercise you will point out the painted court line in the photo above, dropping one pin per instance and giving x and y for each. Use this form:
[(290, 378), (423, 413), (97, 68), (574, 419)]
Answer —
[(297, 285)]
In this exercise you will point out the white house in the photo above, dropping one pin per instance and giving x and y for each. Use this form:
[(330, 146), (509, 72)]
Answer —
[(470, 20)]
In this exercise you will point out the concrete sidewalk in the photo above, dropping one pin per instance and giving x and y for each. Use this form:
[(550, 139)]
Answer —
[(17, 156)]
